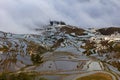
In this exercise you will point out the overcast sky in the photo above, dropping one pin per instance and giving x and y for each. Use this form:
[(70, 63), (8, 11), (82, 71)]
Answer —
[(20, 16)]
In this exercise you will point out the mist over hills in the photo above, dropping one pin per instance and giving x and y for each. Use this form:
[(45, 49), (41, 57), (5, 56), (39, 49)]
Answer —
[(60, 50), (59, 39), (22, 16)]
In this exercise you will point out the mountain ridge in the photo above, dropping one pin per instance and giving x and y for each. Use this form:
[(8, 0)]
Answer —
[(59, 49)]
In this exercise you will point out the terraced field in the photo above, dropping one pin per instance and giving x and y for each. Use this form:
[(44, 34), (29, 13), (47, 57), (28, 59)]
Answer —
[(96, 76)]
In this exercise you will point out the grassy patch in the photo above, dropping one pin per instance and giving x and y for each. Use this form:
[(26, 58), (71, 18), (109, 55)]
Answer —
[(20, 76), (97, 76)]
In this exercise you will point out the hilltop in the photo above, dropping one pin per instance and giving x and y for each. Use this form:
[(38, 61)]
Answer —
[(60, 49)]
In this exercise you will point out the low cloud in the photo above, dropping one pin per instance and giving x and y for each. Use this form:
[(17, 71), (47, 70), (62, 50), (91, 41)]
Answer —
[(22, 16)]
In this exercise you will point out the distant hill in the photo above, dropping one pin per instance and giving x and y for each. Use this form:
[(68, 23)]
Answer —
[(109, 31)]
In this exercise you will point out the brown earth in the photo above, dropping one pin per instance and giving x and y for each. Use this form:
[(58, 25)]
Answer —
[(96, 76)]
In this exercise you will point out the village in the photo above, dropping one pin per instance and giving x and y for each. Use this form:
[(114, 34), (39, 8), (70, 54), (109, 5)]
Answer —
[(98, 39), (113, 37)]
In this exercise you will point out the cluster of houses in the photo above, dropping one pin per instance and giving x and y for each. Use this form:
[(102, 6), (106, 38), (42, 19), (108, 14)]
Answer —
[(54, 23), (113, 37), (51, 27), (98, 38)]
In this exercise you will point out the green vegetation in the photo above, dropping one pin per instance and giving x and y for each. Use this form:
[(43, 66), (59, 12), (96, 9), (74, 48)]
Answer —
[(36, 50), (20, 76), (42, 78), (87, 52), (88, 45), (4, 48), (117, 47), (36, 59)]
